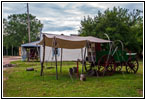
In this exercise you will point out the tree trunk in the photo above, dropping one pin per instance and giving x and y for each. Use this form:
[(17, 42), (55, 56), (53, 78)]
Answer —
[(12, 50), (7, 51)]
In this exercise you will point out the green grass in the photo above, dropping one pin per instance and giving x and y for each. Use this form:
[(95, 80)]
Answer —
[(21, 83)]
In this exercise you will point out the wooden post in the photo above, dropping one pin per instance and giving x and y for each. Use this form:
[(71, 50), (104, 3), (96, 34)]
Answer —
[(78, 68), (28, 27), (82, 58), (92, 57), (28, 21), (54, 45), (85, 57), (27, 54), (42, 63), (61, 61), (56, 63)]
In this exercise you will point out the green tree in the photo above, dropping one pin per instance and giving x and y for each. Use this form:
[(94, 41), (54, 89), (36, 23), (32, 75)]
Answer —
[(119, 24), (15, 30)]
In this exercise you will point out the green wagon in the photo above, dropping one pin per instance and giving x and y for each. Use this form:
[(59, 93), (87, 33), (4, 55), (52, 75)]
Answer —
[(108, 62)]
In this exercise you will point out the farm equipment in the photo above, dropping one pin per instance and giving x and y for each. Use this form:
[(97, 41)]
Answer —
[(106, 62)]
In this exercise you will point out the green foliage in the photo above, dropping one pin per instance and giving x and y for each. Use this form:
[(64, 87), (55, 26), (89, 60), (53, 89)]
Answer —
[(21, 83), (119, 24), (16, 32)]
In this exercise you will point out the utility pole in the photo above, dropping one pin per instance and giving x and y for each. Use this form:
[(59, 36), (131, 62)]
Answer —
[(28, 21)]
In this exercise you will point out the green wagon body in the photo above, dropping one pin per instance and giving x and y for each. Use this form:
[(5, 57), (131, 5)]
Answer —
[(109, 63), (119, 56)]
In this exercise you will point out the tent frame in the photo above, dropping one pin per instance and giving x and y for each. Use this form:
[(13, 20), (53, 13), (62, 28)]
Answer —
[(54, 45)]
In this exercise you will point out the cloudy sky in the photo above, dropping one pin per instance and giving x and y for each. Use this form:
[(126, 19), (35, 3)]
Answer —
[(64, 17)]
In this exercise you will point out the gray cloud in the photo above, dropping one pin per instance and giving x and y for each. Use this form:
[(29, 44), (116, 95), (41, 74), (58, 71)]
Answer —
[(132, 6), (60, 28), (16, 8), (89, 9), (63, 17)]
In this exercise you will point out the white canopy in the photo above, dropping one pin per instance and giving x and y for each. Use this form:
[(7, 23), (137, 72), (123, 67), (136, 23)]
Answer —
[(69, 42)]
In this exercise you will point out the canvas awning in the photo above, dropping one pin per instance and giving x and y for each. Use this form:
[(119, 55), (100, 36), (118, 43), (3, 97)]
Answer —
[(69, 42)]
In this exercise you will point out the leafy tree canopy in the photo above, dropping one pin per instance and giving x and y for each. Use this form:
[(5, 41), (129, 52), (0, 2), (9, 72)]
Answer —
[(16, 31), (119, 24)]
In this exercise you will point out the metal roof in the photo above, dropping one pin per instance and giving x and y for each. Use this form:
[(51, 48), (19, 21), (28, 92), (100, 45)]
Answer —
[(32, 44)]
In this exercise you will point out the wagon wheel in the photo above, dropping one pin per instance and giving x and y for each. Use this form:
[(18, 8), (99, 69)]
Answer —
[(87, 68), (118, 67), (105, 65), (132, 66), (111, 64)]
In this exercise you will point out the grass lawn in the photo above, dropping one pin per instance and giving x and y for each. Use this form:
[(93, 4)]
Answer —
[(21, 83)]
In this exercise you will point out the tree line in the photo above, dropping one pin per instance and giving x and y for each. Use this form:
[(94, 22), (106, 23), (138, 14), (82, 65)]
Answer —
[(15, 32), (119, 24)]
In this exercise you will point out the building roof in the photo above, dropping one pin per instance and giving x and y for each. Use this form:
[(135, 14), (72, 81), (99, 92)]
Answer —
[(32, 44)]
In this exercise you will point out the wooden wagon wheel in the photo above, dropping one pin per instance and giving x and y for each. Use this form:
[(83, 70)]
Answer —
[(106, 65), (118, 67), (119, 64), (87, 68), (132, 66)]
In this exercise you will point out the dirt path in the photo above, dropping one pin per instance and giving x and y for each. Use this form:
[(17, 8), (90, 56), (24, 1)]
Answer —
[(8, 59)]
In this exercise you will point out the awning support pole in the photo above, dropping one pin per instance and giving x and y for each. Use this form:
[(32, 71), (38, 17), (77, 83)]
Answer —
[(56, 63), (92, 57), (42, 63), (85, 57), (61, 61), (82, 59), (56, 58)]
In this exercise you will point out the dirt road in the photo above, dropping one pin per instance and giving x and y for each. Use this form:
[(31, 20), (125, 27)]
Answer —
[(8, 59)]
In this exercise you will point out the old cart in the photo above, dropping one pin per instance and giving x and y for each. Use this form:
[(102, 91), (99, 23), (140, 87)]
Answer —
[(106, 62)]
